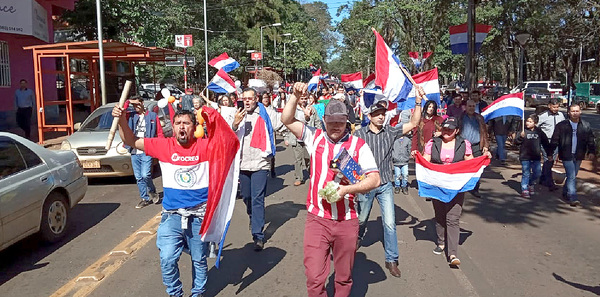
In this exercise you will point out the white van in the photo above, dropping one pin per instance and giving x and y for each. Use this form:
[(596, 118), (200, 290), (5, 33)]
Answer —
[(553, 86)]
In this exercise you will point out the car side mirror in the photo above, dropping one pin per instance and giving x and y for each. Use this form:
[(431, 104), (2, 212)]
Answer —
[(77, 126)]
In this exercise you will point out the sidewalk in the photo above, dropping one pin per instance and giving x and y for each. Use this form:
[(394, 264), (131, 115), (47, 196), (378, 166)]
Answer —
[(588, 179)]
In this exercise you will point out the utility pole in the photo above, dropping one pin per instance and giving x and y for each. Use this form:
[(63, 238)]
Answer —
[(470, 59)]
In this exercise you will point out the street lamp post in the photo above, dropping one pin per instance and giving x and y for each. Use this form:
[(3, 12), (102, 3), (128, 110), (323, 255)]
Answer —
[(522, 40), (275, 43), (261, 41), (582, 61), (284, 62)]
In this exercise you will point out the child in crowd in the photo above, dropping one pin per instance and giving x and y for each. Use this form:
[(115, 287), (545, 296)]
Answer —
[(531, 139), (400, 157)]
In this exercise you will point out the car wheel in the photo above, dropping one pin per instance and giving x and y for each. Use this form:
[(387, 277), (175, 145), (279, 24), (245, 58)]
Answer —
[(582, 105), (55, 218)]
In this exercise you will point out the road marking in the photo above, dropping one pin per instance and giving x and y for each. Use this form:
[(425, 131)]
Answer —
[(460, 276), (88, 280)]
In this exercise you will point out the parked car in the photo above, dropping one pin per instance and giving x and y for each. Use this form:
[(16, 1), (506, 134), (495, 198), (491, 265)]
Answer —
[(38, 187), (497, 92), (536, 96), (587, 94), (554, 87), (89, 142), (155, 88)]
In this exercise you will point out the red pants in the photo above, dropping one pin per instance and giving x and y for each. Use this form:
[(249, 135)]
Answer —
[(322, 237)]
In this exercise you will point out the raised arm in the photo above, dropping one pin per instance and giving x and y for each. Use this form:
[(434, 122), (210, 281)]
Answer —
[(288, 115), (416, 116), (125, 132)]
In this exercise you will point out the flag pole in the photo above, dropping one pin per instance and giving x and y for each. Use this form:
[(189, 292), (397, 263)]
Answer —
[(523, 117)]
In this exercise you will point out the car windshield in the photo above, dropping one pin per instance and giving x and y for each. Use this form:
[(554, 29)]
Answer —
[(555, 86), (100, 120)]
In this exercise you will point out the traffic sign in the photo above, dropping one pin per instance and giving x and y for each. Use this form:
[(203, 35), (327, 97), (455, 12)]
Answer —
[(253, 68), (256, 56), (184, 40), (171, 61)]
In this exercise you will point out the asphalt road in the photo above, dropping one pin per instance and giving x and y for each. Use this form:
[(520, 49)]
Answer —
[(510, 246)]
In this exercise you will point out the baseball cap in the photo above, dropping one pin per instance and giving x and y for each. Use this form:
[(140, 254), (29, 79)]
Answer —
[(450, 123), (378, 106), (189, 90), (335, 111)]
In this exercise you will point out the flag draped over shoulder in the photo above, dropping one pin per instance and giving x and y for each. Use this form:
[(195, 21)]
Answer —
[(443, 182), (262, 136), (223, 163)]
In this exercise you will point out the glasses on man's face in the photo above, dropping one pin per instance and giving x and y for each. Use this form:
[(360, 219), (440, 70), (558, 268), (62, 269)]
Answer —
[(247, 98)]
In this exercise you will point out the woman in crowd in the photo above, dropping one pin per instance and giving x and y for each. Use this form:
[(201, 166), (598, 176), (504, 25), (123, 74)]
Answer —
[(429, 126)]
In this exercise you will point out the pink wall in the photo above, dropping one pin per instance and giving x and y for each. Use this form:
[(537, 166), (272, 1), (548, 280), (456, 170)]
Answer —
[(21, 62)]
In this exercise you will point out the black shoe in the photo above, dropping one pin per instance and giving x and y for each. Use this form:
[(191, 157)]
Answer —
[(575, 203), (553, 187), (438, 250), (143, 204), (476, 193), (396, 190), (427, 199), (258, 245), (405, 190)]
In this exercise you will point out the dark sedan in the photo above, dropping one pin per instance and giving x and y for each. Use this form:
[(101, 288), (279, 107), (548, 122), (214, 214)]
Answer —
[(537, 96)]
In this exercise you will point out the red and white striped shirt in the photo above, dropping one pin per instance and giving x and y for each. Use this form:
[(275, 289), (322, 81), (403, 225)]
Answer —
[(322, 150)]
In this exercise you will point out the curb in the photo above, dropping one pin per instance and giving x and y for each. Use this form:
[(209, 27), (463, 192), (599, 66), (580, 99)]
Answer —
[(587, 188)]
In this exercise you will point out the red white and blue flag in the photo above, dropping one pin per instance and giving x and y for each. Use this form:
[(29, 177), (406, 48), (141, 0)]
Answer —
[(222, 83), (262, 134), (428, 80), (507, 105), (388, 75), (443, 182), (459, 40), (313, 83), (352, 81), (224, 62), (223, 162), (369, 82)]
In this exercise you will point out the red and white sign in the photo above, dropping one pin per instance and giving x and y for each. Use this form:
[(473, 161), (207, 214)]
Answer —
[(183, 40), (256, 56)]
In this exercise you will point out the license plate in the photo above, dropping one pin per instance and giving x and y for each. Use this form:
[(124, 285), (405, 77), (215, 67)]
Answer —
[(543, 97), (90, 164)]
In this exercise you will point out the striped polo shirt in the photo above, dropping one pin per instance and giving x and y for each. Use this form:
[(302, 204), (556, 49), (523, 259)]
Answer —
[(382, 145), (322, 150)]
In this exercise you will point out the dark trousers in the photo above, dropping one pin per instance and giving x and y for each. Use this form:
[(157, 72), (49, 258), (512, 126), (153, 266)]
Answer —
[(253, 187), (24, 120), (447, 217), (546, 178)]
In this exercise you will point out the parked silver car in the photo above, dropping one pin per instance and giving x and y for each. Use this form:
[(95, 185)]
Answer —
[(38, 187), (89, 142)]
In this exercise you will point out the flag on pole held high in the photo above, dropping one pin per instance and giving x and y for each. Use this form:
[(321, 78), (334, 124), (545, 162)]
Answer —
[(459, 41), (352, 81), (443, 182), (428, 80), (507, 105), (222, 83), (388, 75), (223, 165), (224, 62), (313, 83)]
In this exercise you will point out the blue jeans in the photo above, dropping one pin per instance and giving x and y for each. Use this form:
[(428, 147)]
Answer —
[(385, 197), (546, 178), (253, 187), (570, 187), (529, 167), (142, 165), (501, 141), (401, 176), (171, 239)]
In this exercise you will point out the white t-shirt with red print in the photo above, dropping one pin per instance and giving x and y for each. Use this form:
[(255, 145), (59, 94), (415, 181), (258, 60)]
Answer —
[(185, 172)]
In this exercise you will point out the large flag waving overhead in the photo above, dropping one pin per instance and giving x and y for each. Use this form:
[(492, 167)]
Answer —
[(221, 83), (388, 75), (511, 104), (223, 165), (428, 80), (369, 82), (459, 40), (224, 62), (443, 182), (352, 81)]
